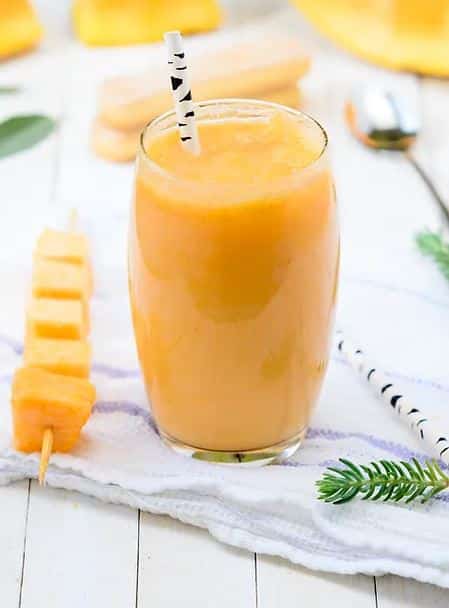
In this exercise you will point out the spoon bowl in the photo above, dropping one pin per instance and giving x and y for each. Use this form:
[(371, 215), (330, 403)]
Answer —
[(382, 120)]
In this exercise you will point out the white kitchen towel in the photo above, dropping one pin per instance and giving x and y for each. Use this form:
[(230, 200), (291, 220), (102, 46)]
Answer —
[(392, 302), (271, 510)]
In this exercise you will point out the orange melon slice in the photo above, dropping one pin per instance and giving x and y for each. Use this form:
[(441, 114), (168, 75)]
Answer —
[(62, 246), (56, 279), (65, 357), (42, 400), (63, 319)]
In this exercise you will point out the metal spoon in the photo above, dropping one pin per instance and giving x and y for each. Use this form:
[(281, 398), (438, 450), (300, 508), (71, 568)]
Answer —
[(384, 120)]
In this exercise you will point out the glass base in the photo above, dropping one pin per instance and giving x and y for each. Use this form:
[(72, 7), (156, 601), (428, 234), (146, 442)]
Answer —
[(254, 458)]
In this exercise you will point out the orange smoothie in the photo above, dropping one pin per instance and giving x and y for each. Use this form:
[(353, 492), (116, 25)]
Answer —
[(233, 270)]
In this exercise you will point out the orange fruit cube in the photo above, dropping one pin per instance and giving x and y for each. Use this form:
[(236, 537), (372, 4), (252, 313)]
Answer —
[(63, 246), (54, 279), (66, 357), (42, 400), (51, 318)]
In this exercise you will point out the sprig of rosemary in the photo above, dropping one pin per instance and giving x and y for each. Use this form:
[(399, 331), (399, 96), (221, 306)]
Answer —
[(434, 246), (385, 480)]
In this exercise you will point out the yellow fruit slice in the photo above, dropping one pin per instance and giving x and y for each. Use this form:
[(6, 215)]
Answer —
[(42, 400), (54, 279), (51, 318), (62, 246), (20, 29), (400, 34), (115, 22), (65, 357)]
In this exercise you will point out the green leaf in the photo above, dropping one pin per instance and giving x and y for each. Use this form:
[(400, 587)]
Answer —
[(435, 247), (21, 132), (9, 90)]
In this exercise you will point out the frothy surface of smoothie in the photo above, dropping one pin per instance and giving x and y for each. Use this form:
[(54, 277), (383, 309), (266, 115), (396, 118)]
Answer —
[(240, 151), (233, 278)]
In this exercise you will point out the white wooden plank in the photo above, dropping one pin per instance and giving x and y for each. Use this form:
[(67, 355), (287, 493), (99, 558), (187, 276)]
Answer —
[(13, 500), (397, 592), (80, 552), (280, 583), (183, 566)]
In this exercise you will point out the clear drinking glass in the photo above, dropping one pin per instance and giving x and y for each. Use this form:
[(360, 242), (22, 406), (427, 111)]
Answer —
[(233, 287)]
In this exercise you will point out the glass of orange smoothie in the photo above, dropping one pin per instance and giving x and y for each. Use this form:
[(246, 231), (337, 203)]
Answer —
[(233, 271)]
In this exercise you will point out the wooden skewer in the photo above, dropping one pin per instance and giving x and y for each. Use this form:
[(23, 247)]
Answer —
[(72, 222), (47, 446), (48, 437)]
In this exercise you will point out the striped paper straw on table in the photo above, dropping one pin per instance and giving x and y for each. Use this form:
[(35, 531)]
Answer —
[(423, 426), (182, 93)]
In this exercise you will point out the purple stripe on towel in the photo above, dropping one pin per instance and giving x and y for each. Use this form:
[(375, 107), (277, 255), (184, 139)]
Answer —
[(294, 463), (397, 289), (420, 381), (126, 407), (426, 382), (13, 344), (397, 449), (115, 372)]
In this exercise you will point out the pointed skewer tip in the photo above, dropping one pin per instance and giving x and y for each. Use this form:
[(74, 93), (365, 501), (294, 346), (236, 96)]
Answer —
[(72, 222)]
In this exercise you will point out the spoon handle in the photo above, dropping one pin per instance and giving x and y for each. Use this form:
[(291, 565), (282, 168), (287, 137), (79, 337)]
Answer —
[(433, 191)]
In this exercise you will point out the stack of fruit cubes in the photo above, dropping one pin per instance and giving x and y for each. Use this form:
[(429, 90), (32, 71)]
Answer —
[(52, 393)]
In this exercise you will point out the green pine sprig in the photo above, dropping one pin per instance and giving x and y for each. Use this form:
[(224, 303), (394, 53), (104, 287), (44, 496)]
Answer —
[(434, 246), (383, 480)]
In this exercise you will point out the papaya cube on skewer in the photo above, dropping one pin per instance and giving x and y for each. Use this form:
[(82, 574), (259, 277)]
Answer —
[(42, 400), (63, 246), (54, 279), (51, 318), (66, 357)]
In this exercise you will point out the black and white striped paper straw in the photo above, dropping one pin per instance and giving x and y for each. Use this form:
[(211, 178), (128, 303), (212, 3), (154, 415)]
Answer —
[(182, 93), (423, 426)]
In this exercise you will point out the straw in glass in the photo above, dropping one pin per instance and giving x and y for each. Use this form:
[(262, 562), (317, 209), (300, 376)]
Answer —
[(182, 93)]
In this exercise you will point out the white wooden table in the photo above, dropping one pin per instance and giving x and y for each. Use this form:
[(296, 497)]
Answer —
[(59, 549)]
